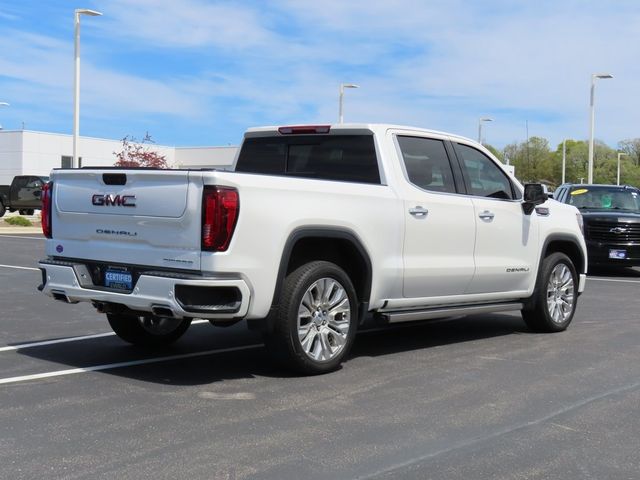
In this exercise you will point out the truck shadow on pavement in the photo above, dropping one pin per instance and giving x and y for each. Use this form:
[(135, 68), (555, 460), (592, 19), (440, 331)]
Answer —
[(252, 360)]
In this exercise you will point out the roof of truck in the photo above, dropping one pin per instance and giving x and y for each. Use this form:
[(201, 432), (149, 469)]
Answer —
[(379, 127)]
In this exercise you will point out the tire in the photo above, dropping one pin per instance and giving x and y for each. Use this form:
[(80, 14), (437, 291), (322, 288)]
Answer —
[(22, 211), (147, 330), (2, 209), (315, 324), (29, 211), (555, 296)]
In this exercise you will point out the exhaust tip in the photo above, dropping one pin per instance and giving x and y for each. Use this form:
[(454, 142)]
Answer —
[(61, 296), (162, 311)]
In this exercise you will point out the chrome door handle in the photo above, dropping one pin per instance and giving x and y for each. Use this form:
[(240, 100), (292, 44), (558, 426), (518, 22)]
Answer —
[(418, 211), (486, 215)]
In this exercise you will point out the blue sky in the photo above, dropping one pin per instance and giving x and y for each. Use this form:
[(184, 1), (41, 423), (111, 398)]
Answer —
[(196, 72)]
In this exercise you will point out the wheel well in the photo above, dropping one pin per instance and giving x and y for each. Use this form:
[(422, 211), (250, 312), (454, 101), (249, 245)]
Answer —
[(570, 249), (341, 251)]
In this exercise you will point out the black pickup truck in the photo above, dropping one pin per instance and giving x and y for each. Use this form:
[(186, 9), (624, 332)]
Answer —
[(23, 194)]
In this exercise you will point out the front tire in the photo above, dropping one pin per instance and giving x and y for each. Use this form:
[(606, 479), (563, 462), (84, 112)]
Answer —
[(147, 330), (2, 209), (555, 296), (315, 324)]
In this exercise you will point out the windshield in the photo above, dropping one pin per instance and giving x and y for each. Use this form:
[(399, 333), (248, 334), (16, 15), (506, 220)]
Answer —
[(605, 198)]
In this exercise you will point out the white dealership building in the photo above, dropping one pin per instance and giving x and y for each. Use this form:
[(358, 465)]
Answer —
[(25, 152)]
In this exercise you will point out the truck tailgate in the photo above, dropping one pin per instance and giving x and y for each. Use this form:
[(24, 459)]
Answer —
[(137, 217)]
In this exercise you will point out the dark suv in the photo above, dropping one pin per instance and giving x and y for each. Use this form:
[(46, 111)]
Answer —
[(611, 221)]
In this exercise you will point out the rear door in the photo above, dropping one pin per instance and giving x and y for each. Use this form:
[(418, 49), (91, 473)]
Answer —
[(439, 222), (138, 217)]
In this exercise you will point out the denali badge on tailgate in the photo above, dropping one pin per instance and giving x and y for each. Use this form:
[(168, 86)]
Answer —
[(105, 200)]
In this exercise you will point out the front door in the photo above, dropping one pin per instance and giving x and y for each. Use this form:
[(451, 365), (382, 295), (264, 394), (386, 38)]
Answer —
[(507, 242)]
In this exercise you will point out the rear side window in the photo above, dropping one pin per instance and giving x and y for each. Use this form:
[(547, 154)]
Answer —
[(347, 158), (20, 182), (427, 163), (483, 177)]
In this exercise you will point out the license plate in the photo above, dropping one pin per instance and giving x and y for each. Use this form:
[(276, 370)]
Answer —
[(618, 254), (119, 278)]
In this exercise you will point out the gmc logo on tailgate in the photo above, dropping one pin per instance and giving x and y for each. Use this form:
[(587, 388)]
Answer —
[(103, 200)]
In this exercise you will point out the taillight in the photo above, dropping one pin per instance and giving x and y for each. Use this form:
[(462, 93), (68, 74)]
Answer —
[(47, 190), (220, 206)]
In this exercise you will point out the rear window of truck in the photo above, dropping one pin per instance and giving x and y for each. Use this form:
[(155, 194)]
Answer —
[(346, 158)]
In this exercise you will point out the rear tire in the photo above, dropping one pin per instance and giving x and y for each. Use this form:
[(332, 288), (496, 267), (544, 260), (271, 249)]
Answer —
[(147, 330), (2, 209), (315, 324), (555, 296)]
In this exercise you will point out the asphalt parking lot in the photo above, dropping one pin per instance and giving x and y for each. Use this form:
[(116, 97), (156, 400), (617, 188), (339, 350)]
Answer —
[(475, 398)]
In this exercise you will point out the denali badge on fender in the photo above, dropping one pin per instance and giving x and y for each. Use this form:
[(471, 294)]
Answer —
[(105, 200)]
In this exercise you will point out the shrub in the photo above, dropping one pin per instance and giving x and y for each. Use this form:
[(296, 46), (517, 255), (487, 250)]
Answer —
[(19, 221)]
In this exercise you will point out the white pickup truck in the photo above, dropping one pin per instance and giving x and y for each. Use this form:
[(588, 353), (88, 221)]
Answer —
[(318, 231)]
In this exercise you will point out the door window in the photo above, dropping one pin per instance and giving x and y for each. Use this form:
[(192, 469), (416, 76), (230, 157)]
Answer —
[(482, 176), (427, 163), (34, 183)]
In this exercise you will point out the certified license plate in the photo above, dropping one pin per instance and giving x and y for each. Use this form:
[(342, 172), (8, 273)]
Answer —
[(120, 278), (618, 254)]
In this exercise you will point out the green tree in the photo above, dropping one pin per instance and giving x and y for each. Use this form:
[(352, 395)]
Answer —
[(532, 160), (631, 147), (577, 152)]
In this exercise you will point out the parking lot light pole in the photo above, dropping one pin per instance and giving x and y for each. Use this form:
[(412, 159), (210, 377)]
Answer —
[(618, 176), (76, 82), (480, 122), (564, 158), (340, 102), (594, 77)]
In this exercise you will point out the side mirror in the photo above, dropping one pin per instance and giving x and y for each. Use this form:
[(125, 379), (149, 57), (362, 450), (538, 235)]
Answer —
[(534, 194)]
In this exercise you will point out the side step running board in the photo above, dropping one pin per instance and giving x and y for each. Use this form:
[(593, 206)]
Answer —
[(442, 312)]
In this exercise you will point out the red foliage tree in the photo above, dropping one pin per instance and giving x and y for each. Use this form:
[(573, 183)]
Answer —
[(139, 154)]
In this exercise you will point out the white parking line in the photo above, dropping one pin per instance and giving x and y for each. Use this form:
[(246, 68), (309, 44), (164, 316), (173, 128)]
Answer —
[(612, 280), (110, 366), (53, 342), (22, 346), (19, 268)]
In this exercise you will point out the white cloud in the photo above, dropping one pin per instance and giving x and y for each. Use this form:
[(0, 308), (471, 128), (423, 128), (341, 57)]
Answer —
[(434, 64)]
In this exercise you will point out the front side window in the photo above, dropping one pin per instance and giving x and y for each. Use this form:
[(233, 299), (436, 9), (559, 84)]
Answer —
[(427, 163), (483, 177)]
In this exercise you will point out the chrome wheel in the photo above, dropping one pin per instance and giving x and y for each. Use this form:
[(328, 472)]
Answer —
[(324, 319), (560, 293)]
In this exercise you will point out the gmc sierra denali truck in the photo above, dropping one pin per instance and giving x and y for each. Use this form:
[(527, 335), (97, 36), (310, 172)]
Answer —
[(318, 231)]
